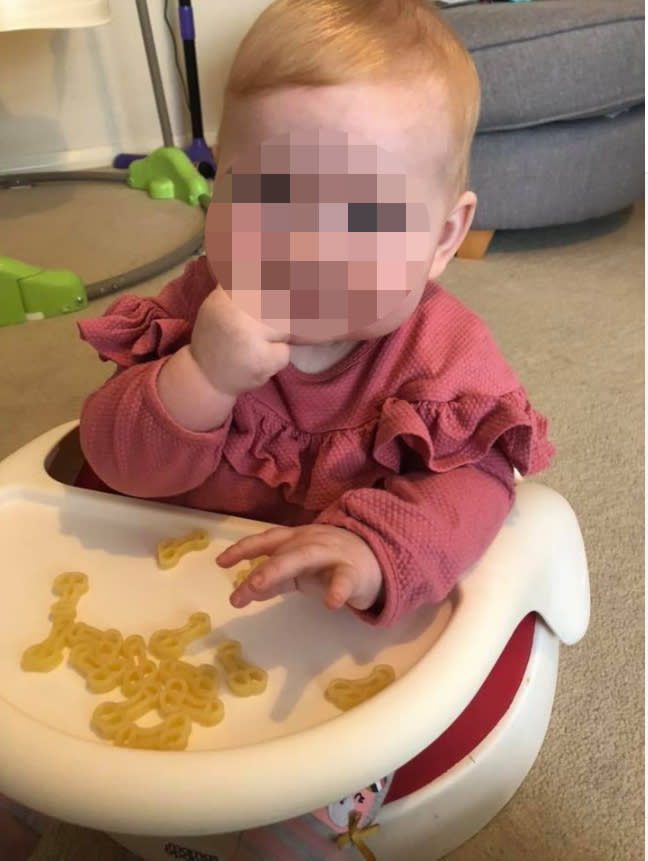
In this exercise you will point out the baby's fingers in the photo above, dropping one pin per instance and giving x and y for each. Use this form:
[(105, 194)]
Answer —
[(341, 586), (279, 573), (252, 546), (277, 356), (244, 595)]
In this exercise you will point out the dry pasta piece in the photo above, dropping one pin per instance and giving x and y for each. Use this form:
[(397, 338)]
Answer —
[(176, 698), (347, 693), (99, 656), (171, 550), (140, 670), (48, 654), (171, 734), (171, 643), (242, 576), (69, 586), (202, 680), (105, 648), (243, 679), (106, 677), (80, 632), (110, 717), (134, 648), (136, 676), (100, 662), (102, 645)]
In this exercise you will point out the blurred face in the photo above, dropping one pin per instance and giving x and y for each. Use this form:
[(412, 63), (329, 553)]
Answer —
[(318, 230)]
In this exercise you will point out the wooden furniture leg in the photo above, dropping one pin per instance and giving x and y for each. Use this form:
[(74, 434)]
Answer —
[(475, 244)]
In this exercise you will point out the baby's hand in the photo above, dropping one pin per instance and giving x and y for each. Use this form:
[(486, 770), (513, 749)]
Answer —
[(235, 352), (314, 558)]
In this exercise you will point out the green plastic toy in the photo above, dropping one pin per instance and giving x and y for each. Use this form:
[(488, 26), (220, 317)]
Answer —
[(167, 173), (32, 293)]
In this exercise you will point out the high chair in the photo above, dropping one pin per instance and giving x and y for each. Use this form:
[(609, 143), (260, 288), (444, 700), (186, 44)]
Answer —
[(461, 725)]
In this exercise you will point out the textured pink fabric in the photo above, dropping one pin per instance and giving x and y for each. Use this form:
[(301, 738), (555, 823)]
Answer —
[(409, 441)]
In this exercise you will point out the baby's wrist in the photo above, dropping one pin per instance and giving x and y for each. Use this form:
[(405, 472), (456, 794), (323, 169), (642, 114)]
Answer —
[(189, 396), (196, 375)]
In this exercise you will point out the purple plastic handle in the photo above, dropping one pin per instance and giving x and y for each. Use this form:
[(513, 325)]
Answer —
[(124, 159), (187, 31), (198, 151)]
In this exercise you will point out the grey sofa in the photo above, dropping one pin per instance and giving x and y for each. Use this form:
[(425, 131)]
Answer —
[(561, 131)]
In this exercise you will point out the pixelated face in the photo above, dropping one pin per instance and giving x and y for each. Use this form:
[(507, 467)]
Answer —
[(318, 234)]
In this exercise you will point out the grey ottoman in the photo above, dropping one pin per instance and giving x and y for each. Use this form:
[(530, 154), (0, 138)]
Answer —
[(561, 131)]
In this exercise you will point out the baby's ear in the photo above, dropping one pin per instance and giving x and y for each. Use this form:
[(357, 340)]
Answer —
[(455, 228)]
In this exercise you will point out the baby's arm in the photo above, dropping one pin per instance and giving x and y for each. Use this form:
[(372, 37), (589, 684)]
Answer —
[(135, 443), (426, 529), (188, 396), (156, 427)]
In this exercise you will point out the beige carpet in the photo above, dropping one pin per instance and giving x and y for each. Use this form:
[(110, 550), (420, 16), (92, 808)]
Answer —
[(566, 305)]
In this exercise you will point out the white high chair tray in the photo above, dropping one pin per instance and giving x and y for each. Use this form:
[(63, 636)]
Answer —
[(275, 755)]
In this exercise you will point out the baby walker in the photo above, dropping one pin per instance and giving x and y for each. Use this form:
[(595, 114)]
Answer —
[(29, 292), (198, 151), (467, 712)]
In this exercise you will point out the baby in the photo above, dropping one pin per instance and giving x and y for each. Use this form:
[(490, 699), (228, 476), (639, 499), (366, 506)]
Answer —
[(309, 371)]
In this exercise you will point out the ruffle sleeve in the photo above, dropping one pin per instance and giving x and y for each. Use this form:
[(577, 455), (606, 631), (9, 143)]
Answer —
[(137, 329), (445, 436), (314, 469)]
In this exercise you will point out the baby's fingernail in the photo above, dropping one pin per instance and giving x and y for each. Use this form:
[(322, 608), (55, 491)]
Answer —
[(335, 601), (235, 600), (256, 581)]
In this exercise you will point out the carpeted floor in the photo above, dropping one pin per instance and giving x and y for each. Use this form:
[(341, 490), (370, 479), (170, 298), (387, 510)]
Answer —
[(566, 305)]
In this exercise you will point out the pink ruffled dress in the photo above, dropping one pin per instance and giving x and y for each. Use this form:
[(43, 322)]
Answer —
[(409, 441)]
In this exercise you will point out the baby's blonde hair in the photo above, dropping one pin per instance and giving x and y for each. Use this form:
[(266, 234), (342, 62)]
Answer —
[(312, 43)]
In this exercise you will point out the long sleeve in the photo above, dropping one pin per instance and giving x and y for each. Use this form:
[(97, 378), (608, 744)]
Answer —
[(135, 447), (127, 437), (426, 529)]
